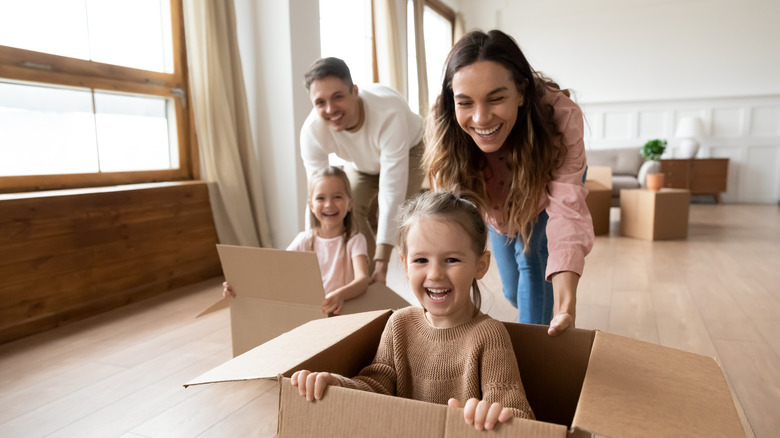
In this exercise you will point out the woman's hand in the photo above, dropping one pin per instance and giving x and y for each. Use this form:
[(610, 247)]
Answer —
[(560, 323), (312, 385), (565, 302), (482, 414), (227, 291)]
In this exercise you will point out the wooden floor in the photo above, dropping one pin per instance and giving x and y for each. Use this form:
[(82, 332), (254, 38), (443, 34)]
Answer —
[(120, 374)]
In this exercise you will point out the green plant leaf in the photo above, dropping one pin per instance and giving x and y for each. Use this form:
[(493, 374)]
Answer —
[(653, 149)]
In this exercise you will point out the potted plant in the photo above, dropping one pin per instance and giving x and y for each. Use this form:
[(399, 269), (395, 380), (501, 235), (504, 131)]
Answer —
[(652, 151)]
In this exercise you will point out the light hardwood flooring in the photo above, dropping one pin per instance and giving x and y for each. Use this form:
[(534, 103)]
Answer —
[(120, 374)]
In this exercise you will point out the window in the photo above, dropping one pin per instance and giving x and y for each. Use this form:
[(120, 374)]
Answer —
[(92, 93), (438, 23), (345, 32)]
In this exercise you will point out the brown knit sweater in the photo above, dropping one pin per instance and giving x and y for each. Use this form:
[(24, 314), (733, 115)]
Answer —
[(417, 361)]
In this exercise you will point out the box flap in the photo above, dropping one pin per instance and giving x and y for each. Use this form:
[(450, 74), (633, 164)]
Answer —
[(456, 427), (349, 412), (254, 321), (272, 274), (552, 368), (377, 297), (223, 303), (635, 388), (277, 291), (322, 344)]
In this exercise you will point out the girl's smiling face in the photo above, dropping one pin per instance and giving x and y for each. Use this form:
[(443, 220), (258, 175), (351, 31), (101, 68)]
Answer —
[(441, 264), (486, 103), (330, 204)]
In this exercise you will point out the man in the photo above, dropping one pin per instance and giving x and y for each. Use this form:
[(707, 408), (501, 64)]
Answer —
[(374, 130)]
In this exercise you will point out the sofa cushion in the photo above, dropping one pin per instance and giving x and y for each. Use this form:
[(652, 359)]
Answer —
[(623, 161)]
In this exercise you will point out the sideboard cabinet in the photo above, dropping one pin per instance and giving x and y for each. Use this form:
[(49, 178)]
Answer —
[(701, 176)]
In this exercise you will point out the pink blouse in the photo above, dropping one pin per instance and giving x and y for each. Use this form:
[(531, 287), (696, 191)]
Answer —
[(569, 227)]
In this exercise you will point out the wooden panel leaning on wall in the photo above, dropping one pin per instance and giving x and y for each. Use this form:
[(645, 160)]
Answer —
[(72, 254)]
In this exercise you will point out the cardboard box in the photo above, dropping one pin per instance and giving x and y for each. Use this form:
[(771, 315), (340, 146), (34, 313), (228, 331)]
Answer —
[(601, 175), (277, 290), (654, 215), (599, 201), (580, 383)]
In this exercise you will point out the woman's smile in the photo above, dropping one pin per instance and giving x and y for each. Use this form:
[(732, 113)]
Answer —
[(487, 102)]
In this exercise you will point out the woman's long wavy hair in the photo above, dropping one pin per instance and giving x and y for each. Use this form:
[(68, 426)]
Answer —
[(452, 158)]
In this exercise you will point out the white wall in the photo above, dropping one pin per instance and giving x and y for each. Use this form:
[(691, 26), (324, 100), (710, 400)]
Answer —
[(278, 40), (744, 130), (637, 66), (621, 50), (618, 55)]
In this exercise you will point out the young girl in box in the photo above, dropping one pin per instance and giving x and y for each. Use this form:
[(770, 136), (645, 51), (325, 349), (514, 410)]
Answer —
[(341, 250), (448, 351)]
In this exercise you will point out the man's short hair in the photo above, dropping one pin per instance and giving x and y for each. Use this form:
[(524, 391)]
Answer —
[(325, 67)]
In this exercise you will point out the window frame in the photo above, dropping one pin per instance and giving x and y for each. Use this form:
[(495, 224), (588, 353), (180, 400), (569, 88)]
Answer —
[(437, 5), (445, 11), (47, 69)]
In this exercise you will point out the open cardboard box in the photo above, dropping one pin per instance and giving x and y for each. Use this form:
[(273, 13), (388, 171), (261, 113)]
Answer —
[(580, 383), (277, 290)]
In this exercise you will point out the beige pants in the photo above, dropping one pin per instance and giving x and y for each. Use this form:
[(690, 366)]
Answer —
[(365, 188)]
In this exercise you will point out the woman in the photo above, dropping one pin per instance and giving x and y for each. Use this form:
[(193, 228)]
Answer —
[(507, 133)]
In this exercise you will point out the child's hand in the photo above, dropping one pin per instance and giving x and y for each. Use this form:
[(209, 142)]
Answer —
[(312, 385), (332, 303), (481, 413), (227, 291)]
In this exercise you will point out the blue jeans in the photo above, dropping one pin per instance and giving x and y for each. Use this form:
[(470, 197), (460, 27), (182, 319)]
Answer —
[(522, 274)]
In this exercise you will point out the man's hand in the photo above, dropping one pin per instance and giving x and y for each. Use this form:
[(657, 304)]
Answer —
[(380, 272)]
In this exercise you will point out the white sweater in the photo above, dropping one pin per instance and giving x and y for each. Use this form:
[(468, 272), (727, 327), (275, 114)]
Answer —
[(381, 146)]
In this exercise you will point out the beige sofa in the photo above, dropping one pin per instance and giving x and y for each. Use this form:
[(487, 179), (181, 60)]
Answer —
[(629, 169)]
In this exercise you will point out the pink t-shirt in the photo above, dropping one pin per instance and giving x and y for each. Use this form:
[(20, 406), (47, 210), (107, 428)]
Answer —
[(336, 270), (569, 227)]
